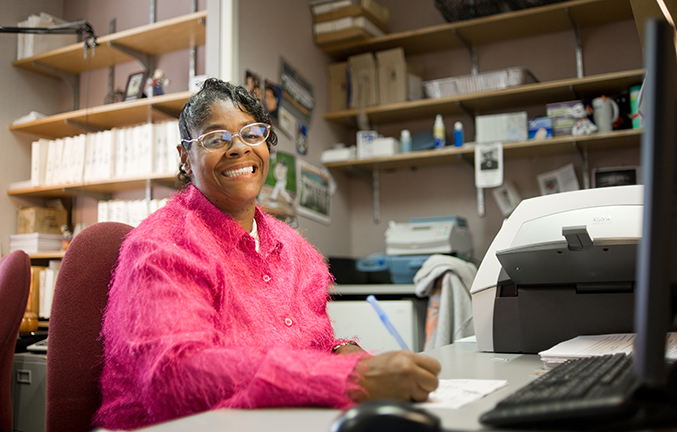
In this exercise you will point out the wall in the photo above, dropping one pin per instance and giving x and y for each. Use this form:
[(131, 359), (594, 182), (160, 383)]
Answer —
[(274, 29), (449, 189), (22, 92)]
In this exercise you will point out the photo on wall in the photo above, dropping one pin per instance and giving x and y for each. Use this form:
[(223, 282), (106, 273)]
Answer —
[(278, 195), (315, 186)]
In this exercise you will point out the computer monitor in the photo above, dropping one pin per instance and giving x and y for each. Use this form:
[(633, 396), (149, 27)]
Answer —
[(656, 281)]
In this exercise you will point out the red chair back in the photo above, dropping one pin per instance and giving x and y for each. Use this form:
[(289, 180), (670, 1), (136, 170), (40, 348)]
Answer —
[(75, 351), (15, 282)]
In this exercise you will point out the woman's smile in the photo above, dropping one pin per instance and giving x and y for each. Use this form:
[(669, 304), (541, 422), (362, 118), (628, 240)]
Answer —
[(240, 171)]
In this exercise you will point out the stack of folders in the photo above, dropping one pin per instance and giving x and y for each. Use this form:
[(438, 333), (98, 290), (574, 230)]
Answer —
[(597, 345), (35, 242), (47, 281), (119, 153), (130, 212)]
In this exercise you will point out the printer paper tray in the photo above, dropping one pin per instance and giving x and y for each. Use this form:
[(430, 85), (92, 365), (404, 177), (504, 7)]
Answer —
[(554, 263)]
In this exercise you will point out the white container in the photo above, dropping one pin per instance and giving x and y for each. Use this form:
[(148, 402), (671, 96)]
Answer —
[(439, 132), (405, 141), (488, 81)]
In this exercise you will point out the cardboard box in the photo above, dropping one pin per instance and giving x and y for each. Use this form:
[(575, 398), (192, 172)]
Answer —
[(353, 11), (540, 128), (41, 220), (398, 81), (363, 81), (338, 86), (365, 144)]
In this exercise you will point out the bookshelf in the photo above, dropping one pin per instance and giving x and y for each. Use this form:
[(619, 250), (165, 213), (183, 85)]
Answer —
[(150, 40)]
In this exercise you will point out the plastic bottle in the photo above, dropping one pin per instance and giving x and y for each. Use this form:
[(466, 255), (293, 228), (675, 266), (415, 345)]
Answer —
[(439, 133), (405, 141), (458, 134)]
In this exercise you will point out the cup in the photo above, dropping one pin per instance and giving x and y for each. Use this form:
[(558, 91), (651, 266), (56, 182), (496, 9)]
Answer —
[(605, 113)]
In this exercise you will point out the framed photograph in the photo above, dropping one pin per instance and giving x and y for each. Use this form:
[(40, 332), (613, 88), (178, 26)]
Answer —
[(135, 85), (616, 176)]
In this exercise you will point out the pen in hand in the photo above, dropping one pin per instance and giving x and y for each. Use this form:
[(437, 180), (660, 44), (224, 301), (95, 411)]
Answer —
[(386, 322)]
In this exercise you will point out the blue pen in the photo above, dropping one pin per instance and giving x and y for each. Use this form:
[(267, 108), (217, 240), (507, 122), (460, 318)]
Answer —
[(386, 322)]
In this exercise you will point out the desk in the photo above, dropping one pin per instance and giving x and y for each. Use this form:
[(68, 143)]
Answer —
[(459, 360)]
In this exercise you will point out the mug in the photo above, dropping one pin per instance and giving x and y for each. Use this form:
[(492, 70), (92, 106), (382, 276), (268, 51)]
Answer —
[(605, 113)]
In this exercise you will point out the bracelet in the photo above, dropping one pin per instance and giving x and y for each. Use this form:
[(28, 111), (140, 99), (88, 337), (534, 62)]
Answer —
[(343, 344)]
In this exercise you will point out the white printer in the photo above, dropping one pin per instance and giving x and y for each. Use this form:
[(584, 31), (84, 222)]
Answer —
[(426, 236), (561, 265)]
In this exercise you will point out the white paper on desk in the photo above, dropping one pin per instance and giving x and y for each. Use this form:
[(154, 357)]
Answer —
[(586, 346), (454, 393)]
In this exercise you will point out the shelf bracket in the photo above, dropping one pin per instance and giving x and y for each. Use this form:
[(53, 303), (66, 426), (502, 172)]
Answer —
[(85, 127), (376, 195), (472, 51), (71, 80), (465, 109), (166, 111), (99, 196), (585, 174), (579, 46), (147, 61)]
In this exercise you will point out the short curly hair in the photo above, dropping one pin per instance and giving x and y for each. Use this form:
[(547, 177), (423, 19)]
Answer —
[(198, 108)]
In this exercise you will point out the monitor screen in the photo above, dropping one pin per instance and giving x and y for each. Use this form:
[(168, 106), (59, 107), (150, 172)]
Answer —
[(657, 255)]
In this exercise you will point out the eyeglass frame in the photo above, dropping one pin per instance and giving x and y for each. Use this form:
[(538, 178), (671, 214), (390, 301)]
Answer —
[(232, 135)]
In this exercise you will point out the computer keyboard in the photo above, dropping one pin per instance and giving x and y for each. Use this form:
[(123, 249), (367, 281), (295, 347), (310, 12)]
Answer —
[(587, 388), (38, 347)]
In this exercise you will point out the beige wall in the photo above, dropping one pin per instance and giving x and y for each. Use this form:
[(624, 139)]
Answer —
[(22, 92), (270, 29)]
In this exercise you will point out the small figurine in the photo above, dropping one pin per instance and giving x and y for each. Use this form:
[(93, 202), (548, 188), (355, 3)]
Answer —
[(67, 237), (155, 86)]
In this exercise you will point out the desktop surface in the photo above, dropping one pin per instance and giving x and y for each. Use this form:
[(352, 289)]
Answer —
[(459, 361)]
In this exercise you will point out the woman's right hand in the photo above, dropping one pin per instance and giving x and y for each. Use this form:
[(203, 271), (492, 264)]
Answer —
[(401, 375)]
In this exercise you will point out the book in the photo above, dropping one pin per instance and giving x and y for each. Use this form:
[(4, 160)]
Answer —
[(39, 150)]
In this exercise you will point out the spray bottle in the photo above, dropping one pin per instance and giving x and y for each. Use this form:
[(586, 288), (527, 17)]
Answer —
[(439, 133)]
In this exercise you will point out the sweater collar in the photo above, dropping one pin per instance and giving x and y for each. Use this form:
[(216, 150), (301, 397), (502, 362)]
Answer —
[(225, 227)]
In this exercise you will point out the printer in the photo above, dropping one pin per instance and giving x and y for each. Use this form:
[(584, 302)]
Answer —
[(562, 265), (426, 236)]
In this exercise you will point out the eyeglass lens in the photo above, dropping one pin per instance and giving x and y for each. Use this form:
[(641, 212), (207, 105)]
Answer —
[(253, 134)]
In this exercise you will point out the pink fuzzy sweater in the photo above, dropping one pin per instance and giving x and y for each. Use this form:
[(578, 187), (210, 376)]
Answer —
[(198, 320)]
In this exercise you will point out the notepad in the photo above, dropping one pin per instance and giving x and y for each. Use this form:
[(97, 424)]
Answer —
[(455, 393)]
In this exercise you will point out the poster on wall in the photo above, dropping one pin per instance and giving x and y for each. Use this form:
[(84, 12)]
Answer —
[(278, 195), (296, 92), (253, 83), (315, 190), (271, 98)]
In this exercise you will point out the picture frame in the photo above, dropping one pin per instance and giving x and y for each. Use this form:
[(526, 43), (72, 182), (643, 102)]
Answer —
[(135, 85)]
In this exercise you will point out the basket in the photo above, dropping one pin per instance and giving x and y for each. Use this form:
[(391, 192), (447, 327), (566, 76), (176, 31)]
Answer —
[(487, 81), (458, 10)]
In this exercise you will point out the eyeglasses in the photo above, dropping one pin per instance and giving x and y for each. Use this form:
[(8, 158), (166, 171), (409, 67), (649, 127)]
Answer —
[(252, 134)]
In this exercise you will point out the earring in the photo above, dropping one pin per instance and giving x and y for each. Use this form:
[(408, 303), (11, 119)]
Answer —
[(185, 169)]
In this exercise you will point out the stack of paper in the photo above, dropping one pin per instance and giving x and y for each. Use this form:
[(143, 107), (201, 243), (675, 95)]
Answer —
[(29, 45), (35, 242), (597, 345)]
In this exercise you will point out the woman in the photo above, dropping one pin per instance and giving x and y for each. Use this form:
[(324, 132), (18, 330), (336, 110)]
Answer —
[(215, 304)]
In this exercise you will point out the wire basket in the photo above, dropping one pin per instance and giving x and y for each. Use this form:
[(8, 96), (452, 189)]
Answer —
[(459, 10)]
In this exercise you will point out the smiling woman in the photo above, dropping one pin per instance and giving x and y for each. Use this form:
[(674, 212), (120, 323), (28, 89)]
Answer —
[(215, 304)]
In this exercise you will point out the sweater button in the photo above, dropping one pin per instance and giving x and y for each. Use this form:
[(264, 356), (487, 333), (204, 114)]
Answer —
[(266, 278), (288, 321)]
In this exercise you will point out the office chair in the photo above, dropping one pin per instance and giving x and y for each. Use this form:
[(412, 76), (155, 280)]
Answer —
[(75, 351), (15, 282)]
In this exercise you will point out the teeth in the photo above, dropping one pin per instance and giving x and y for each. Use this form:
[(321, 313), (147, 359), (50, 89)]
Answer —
[(238, 172)]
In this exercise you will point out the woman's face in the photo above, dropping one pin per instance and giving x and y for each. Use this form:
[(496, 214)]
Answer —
[(230, 179)]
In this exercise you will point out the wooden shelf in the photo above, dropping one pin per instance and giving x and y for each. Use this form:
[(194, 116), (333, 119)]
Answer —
[(47, 255), (104, 117), (510, 25), (152, 39), (447, 155), (524, 95), (100, 187)]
